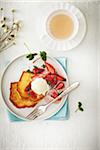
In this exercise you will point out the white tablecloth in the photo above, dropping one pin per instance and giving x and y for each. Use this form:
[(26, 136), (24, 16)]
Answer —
[(81, 131)]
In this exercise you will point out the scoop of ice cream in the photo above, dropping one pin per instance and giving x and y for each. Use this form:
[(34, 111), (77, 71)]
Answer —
[(39, 86)]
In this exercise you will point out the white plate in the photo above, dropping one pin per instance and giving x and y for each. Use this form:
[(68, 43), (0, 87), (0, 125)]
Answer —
[(79, 27), (13, 73)]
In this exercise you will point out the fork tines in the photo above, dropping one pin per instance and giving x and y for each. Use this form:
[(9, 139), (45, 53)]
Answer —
[(34, 114)]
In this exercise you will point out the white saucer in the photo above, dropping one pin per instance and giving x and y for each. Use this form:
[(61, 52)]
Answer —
[(66, 44)]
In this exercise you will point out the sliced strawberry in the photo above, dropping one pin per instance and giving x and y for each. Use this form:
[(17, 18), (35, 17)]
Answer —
[(54, 93), (28, 88), (38, 70), (60, 78), (44, 75), (59, 86), (32, 94), (50, 68), (51, 79)]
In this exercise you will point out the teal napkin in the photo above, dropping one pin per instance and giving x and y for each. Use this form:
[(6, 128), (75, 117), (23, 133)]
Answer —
[(63, 113)]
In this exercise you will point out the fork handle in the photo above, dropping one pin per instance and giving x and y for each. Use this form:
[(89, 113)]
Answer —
[(65, 92)]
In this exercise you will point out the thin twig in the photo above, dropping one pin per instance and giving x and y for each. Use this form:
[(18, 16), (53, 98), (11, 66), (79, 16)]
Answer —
[(27, 47)]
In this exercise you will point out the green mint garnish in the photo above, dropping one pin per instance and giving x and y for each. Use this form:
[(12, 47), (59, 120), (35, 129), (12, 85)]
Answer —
[(31, 56), (80, 108), (49, 82), (43, 55), (29, 71), (35, 66), (43, 66), (79, 104)]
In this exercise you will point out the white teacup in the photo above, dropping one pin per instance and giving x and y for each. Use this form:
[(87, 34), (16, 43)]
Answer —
[(54, 25)]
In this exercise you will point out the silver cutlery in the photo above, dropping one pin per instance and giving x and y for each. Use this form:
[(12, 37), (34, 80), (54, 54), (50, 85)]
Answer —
[(41, 109)]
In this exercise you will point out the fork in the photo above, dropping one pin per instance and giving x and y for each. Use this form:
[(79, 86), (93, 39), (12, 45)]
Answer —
[(41, 109)]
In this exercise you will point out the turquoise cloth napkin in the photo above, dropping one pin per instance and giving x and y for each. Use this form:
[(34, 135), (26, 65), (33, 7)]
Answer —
[(63, 113)]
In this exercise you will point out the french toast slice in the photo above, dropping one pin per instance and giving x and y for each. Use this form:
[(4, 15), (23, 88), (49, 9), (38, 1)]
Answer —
[(25, 79), (19, 101)]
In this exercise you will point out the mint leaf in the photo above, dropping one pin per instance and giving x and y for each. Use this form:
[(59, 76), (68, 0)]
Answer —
[(35, 66), (43, 66), (29, 71), (79, 104), (43, 55), (81, 109), (31, 56), (48, 82)]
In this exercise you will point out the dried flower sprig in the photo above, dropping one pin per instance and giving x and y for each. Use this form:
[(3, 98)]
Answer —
[(8, 33)]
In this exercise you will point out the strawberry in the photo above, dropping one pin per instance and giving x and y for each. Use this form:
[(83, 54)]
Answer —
[(59, 86), (32, 94), (51, 79), (50, 68), (28, 87), (38, 70), (54, 93), (60, 78)]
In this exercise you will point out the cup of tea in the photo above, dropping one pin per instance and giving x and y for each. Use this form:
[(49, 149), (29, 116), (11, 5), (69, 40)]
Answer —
[(62, 25)]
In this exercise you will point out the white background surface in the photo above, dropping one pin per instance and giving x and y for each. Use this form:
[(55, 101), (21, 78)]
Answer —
[(81, 131)]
